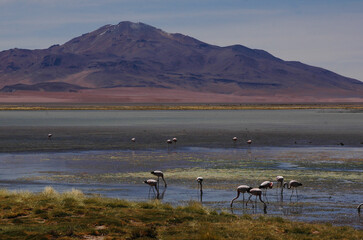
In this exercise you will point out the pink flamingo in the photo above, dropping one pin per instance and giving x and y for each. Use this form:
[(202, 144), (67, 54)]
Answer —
[(293, 184), (200, 181), (241, 189), (159, 174), (280, 183), (265, 185), (152, 183), (256, 192), (169, 142)]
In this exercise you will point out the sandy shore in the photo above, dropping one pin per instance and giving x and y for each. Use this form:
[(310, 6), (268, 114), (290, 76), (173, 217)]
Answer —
[(157, 95)]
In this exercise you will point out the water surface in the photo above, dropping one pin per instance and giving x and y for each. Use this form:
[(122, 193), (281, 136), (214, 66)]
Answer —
[(92, 151)]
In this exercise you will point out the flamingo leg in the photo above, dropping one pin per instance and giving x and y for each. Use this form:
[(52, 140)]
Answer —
[(248, 199), (149, 192), (261, 199), (266, 195), (164, 181), (153, 190), (157, 190)]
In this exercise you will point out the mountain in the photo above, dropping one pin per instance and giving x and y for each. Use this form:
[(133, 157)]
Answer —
[(139, 56)]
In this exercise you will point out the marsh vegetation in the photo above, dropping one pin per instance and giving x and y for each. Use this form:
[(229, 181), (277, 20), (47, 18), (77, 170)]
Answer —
[(72, 215)]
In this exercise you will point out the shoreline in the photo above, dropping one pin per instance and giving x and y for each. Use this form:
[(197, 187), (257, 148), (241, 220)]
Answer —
[(167, 106), (71, 214)]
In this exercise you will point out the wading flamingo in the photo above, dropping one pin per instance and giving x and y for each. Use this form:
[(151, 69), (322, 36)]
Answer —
[(265, 185), (241, 189), (256, 192), (200, 181), (169, 142), (159, 174), (153, 184), (280, 183), (293, 184)]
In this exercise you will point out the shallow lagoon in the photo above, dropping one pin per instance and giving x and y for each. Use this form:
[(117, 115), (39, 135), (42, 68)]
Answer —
[(91, 151)]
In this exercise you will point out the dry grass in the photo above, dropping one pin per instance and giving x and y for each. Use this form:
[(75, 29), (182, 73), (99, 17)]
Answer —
[(71, 215)]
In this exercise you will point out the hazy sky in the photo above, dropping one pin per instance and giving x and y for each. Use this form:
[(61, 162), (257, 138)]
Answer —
[(325, 33)]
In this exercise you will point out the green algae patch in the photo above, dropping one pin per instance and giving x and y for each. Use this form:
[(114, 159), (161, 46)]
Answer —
[(216, 178), (72, 215)]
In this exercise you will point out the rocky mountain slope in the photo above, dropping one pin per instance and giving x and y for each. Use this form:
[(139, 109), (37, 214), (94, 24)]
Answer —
[(141, 56)]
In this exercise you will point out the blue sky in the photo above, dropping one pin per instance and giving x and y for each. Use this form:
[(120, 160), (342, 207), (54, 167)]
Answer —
[(324, 33)]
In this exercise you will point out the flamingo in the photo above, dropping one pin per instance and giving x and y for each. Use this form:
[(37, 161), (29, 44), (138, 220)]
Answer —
[(169, 142), (359, 207), (241, 189), (200, 181), (265, 185), (280, 183), (152, 183), (293, 184), (256, 192), (50, 136), (133, 139), (159, 174)]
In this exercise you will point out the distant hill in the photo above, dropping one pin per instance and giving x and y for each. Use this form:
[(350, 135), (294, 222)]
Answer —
[(136, 55)]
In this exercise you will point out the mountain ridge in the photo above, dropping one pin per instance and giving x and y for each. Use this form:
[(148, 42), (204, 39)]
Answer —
[(138, 55)]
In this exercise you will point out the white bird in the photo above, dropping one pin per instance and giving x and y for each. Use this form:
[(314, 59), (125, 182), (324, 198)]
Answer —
[(266, 185), (159, 174), (169, 142), (359, 206), (175, 140), (152, 183), (133, 139), (256, 192), (293, 184), (249, 142), (50, 136), (241, 189), (280, 183), (234, 139), (200, 181)]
